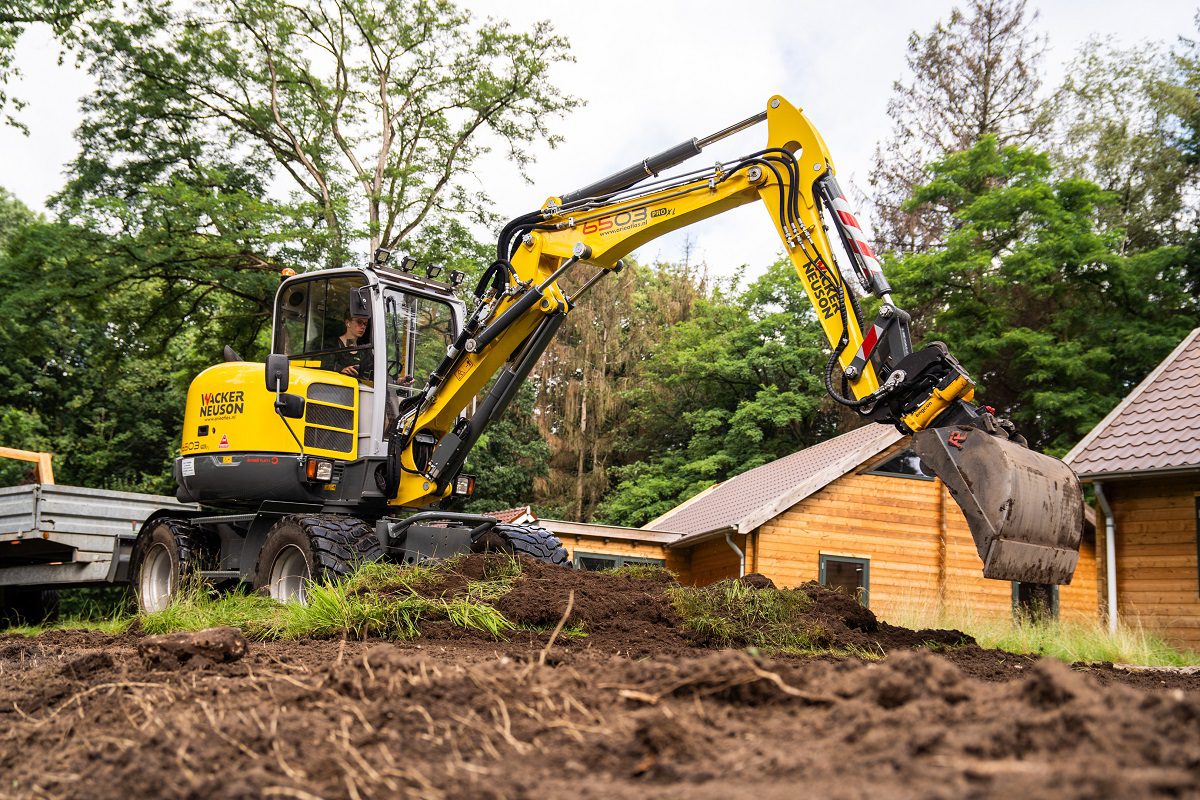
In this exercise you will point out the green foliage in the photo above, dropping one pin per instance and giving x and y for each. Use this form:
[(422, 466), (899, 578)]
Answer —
[(734, 386), (731, 614), (62, 16), (508, 458), (1053, 324), (223, 142), (1123, 113), (644, 572)]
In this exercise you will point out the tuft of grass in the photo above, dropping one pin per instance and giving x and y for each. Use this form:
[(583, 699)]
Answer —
[(1068, 639), (731, 614), (343, 609), (197, 607), (652, 572)]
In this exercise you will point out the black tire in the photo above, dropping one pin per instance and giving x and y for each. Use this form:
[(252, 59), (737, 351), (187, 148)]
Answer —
[(28, 606), (527, 540), (187, 550), (321, 547)]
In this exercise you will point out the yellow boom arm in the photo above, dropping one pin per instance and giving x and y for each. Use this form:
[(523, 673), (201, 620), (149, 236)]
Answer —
[(1024, 509), (793, 178)]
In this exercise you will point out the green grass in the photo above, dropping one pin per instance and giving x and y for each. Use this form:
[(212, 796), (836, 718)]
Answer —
[(731, 614), (383, 600), (643, 572), (1069, 640)]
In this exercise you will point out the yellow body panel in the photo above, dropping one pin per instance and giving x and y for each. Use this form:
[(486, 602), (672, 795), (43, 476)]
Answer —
[(229, 410)]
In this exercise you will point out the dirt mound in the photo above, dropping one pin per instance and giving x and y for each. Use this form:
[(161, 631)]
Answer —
[(361, 720), (631, 614)]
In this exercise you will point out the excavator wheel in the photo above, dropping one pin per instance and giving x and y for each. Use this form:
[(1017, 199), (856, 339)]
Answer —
[(527, 540), (165, 556), (312, 547)]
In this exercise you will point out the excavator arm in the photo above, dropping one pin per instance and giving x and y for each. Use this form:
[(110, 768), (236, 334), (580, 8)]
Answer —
[(1024, 509)]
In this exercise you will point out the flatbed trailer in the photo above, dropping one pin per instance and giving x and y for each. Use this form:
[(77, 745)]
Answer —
[(58, 537)]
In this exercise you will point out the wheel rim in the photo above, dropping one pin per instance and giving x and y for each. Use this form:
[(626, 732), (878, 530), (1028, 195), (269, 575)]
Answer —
[(289, 576), (157, 579)]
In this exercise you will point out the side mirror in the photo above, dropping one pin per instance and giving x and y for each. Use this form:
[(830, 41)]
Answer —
[(360, 302), (278, 373), (290, 405)]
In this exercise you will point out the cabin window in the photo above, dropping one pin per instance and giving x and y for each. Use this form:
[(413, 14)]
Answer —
[(594, 562), (904, 464), (1034, 601), (850, 576), (315, 324)]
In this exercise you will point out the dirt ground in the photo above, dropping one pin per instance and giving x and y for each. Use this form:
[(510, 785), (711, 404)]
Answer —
[(637, 708)]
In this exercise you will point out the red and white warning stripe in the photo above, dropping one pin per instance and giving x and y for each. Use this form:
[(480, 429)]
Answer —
[(857, 238), (874, 334)]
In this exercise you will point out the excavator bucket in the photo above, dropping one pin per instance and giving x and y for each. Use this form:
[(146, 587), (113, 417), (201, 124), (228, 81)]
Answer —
[(1024, 509)]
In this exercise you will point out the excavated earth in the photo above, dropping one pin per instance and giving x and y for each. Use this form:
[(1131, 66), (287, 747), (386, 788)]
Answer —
[(637, 708)]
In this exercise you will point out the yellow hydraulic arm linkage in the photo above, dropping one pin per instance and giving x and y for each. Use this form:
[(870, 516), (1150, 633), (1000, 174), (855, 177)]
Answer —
[(1024, 509)]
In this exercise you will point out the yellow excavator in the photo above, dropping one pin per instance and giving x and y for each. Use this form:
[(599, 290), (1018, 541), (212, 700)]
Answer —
[(381, 380)]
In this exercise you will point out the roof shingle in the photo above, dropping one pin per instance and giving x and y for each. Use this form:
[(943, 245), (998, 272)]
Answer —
[(1156, 427), (746, 501)]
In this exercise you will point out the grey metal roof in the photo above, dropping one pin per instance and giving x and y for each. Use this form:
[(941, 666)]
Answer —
[(748, 500), (1155, 428)]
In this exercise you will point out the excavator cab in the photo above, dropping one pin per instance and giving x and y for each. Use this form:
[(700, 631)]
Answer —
[(358, 344)]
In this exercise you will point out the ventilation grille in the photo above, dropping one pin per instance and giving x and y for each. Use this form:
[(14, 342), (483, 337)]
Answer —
[(329, 416), (328, 393), (323, 439)]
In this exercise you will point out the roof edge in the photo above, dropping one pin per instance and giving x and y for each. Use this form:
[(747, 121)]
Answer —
[(703, 536), (1137, 473), (819, 480), (672, 512), (1095, 432)]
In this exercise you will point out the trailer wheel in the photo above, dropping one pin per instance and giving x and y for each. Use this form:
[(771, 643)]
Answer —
[(301, 549), (164, 558), (529, 540), (27, 606)]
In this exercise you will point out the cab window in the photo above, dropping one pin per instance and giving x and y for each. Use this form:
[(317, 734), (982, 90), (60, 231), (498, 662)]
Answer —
[(317, 328), (418, 332)]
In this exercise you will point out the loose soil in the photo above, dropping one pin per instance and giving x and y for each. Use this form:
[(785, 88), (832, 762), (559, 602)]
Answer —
[(636, 708)]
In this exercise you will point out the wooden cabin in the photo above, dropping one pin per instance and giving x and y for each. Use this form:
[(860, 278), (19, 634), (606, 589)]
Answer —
[(856, 513), (1143, 460)]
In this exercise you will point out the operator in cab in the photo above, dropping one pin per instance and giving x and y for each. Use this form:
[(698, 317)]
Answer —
[(347, 359)]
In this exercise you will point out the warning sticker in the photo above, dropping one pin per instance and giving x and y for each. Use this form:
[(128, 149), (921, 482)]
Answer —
[(224, 445), (188, 467)]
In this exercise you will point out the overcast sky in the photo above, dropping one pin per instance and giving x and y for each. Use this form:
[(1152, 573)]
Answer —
[(657, 72)]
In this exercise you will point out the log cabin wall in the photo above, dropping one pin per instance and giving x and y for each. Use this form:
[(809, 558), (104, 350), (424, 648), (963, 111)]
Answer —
[(1158, 580), (922, 559)]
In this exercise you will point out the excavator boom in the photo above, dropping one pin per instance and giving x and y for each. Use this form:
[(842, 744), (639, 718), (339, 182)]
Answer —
[(1024, 509)]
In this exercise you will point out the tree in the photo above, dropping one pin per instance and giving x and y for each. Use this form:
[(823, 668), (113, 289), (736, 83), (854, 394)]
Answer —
[(14, 215), (734, 386), (63, 16), (225, 140), (594, 360), (372, 111), (975, 75), (508, 458), (1052, 322), (1119, 115)]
